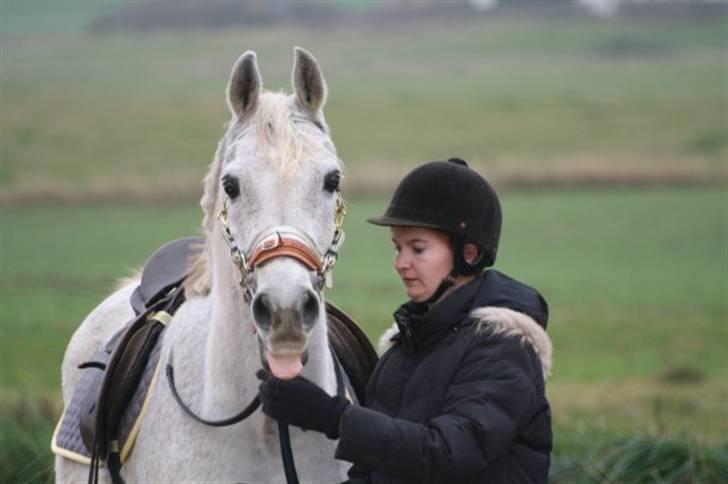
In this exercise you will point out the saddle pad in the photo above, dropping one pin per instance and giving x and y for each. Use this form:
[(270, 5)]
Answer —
[(67, 440)]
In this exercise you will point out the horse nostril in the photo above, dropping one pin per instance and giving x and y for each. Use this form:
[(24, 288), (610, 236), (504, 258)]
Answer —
[(262, 311), (310, 309)]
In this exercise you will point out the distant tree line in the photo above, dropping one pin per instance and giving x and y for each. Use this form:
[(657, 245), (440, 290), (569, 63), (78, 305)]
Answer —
[(200, 14)]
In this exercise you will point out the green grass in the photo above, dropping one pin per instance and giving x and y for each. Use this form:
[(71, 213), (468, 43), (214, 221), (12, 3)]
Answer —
[(43, 17), (641, 460), (26, 428), (635, 279)]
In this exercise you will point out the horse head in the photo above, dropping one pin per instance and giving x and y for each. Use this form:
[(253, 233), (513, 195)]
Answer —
[(273, 209)]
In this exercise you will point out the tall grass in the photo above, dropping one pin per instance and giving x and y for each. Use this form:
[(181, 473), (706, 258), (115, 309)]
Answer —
[(586, 459), (25, 433), (642, 460)]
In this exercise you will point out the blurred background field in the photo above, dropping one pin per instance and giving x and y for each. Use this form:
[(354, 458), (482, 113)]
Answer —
[(607, 138)]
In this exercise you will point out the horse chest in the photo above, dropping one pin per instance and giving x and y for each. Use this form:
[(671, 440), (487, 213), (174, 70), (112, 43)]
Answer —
[(245, 452)]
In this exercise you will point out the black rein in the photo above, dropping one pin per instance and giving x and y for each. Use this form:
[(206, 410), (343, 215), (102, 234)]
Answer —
[(289, 465), (239, 417)]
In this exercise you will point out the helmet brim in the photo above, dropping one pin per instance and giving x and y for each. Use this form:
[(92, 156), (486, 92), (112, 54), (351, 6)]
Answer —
[(386, 221)]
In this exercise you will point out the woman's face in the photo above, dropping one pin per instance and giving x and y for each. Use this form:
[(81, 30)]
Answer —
[(423, 258)]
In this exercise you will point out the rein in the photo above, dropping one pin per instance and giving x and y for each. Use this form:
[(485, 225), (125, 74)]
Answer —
[(289, 465), (239, 417), (279, 241)]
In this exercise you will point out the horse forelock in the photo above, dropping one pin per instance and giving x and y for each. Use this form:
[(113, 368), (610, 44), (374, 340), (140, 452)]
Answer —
[(284, 137)]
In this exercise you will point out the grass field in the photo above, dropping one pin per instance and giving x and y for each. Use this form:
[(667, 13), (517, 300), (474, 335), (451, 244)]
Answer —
[(634, 295), (104, 115), (635, 279)]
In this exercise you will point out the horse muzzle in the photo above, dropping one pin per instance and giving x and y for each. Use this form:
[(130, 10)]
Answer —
[(285, 309)]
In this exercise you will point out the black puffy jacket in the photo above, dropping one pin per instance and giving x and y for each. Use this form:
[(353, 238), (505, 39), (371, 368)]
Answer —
[(459, 397)]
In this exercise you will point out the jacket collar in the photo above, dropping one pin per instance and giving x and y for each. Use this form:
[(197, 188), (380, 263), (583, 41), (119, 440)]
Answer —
[(420, 325)]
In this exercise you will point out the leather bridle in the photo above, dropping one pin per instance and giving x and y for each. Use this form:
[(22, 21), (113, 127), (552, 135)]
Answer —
[(284, 241)]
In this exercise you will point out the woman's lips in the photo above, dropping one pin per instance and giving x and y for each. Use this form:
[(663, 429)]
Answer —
[(409, 280)]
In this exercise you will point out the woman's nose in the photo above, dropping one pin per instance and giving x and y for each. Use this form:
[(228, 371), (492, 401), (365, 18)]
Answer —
[(401, 262)]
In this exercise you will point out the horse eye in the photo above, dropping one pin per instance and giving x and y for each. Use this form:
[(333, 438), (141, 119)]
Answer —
[(231, 186), (332, 180)]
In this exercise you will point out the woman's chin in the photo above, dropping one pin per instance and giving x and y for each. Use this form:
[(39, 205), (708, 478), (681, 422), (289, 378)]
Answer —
[(417, 296)]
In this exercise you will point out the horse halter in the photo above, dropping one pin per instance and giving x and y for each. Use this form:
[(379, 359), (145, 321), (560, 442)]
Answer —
[(284, 241)]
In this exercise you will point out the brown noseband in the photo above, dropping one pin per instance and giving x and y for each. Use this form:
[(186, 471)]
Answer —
[(285, 245), (285, 241)]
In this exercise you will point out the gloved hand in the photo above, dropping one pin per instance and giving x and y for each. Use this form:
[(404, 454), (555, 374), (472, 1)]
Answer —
[(302, 403)]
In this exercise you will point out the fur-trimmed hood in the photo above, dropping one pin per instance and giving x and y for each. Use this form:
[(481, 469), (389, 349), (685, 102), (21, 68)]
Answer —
[(504, 306), (500, 321), (512, 323)]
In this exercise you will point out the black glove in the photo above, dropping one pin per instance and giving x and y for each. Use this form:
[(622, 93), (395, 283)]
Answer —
[(301, 403)]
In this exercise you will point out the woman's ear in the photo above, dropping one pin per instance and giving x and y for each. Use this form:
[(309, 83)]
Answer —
[(471, 253)]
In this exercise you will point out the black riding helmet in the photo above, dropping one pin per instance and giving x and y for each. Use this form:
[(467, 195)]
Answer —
[(449, 196)]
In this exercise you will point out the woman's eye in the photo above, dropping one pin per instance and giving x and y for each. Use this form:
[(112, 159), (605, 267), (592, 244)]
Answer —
[(231, 186), (418, 250), (332, 181)]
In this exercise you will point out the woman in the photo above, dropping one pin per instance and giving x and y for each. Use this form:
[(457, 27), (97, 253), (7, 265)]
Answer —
[(459, 394)]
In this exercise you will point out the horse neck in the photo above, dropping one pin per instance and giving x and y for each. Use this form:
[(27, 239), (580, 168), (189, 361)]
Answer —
[(232, 353), (231, 356)]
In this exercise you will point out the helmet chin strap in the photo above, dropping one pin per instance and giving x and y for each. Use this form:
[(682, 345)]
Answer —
[(460, 268), (446, 284)]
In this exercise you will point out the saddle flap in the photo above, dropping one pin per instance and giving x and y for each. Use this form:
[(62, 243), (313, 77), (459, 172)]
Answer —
[(110, 387), (352, 347), (88, 407)]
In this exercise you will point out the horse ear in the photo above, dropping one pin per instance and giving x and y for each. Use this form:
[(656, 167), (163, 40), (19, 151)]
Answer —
[(245, 85), (308, 82)]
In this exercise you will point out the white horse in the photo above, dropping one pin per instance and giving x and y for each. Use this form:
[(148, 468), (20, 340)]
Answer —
[(275, 172)]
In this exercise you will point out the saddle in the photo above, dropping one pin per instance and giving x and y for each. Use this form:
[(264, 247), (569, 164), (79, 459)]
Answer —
[(125, 360)]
